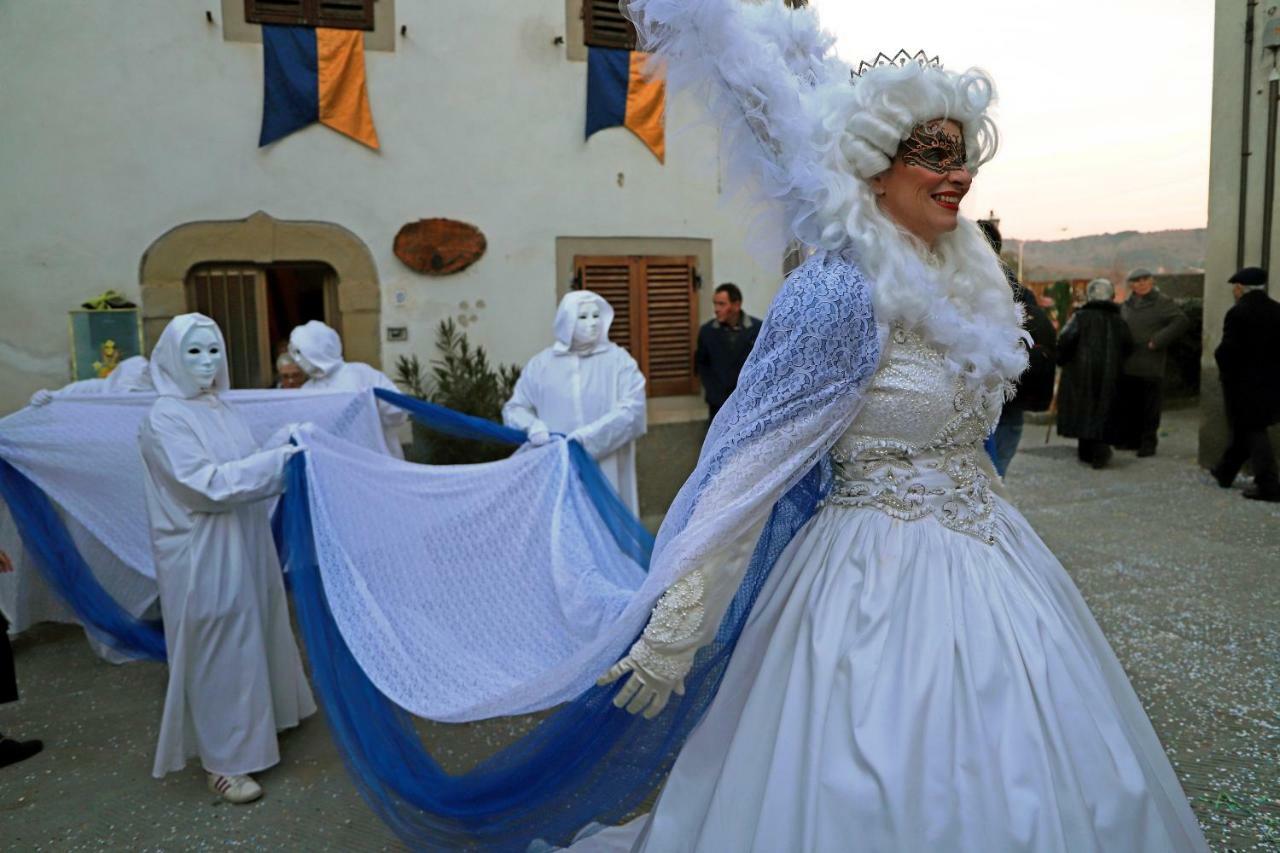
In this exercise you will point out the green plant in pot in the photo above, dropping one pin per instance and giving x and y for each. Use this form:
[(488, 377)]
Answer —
[(462, 379)]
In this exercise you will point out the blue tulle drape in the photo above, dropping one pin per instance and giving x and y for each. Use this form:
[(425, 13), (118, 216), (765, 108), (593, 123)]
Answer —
[(65, 570), (586, 762)]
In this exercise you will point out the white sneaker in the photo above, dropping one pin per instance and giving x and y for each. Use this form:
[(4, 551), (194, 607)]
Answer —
[(234, 789)]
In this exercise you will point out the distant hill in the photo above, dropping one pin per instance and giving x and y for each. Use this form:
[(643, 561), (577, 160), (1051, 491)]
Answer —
[(1111, 255)]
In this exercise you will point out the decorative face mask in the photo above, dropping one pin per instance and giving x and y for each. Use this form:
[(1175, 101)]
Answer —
[(931, 147), (202, 355), (586, 329), (301, 360)]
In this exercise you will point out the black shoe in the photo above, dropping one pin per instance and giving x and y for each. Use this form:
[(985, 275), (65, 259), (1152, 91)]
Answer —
[(1254, 493), (1222, 478), (1101, 458), (13, 751), (1147, 450)]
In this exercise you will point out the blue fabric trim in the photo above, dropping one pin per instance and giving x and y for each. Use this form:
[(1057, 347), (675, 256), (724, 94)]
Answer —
[(290, 81), (66, 572), (608, 79)]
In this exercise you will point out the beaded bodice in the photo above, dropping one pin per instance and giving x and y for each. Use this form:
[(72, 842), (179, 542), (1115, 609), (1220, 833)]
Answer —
[(912, 451)]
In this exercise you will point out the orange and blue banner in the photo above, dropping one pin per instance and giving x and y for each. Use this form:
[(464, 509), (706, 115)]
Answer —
[(621, 94), (314, 74)]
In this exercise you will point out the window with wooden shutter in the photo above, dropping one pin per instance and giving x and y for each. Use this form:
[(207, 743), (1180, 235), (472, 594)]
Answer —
[(336, 14), (605, 25), (655, 314)]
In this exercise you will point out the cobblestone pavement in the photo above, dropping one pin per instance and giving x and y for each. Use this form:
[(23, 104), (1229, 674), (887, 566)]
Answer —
[(1182, 576)]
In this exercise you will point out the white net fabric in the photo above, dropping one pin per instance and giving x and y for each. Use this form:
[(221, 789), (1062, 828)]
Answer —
[(463, 590), (485, 590), (82, 451)]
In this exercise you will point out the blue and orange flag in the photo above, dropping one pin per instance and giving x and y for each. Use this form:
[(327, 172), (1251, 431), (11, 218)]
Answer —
[(621, 94), (314, 74)]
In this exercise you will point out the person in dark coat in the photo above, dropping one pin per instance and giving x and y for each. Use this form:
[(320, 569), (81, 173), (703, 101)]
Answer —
[(1035, 386), (723, 346), (11, 751), (1092, 350), (1156, 322), (1249, 369)]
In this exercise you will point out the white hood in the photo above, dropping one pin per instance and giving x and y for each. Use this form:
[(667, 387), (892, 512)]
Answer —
[(567, 317), (168, 374), (319, 344)]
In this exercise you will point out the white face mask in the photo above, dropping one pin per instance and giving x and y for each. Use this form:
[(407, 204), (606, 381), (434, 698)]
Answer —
[(586, 329), (202, 355), (301, 360)]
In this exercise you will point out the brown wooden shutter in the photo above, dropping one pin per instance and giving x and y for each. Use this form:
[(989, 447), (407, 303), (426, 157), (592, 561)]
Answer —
[(611, 278), (234, 297), (276, 12), (655, 314), (671, 312), (345, 14), (605, 25), (337, 14)]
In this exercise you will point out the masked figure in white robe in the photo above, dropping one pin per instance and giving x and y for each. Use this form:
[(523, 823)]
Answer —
[(317, 349), (235, 675), (587, 388)]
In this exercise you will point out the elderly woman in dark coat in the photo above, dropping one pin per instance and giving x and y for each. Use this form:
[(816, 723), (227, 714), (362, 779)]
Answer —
[(1092, 350)]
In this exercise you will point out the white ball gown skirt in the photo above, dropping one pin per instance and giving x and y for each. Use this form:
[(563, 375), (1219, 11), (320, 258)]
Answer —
[(900, 686)]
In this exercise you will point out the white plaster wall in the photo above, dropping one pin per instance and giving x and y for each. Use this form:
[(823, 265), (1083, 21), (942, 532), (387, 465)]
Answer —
[(1224, 195), (122, 120)]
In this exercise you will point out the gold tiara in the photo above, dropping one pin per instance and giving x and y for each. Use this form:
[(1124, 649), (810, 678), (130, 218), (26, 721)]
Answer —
[(900, 60)]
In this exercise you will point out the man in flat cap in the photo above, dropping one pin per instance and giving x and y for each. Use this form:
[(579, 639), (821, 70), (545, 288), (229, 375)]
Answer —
[(1156, 322), (1249, 368)]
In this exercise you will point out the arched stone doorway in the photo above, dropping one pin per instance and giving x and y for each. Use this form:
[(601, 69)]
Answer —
[(264, 240)]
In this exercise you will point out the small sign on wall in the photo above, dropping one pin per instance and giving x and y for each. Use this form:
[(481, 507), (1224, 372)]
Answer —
[(102, 339)]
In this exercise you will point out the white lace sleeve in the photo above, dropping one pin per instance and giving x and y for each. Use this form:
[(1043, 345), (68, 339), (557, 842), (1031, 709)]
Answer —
[(798, 392)]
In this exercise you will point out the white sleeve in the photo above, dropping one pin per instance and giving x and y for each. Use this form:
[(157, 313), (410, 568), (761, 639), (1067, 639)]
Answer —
[(624, 423), (520, 412), (391, 415), (174, 454)]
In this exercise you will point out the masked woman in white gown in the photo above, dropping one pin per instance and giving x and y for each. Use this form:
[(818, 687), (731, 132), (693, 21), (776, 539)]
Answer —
[(918, 671), (235, 675)]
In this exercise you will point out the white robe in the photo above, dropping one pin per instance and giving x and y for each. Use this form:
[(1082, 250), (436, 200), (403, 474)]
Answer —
[(595, 395), (235, 675), (320, 345), (598, 399)]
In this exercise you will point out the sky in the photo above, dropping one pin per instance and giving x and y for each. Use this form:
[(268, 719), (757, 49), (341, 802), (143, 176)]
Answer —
[(1103, 104)]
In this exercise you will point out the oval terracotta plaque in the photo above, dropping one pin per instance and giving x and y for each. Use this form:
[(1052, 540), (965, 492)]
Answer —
[(439, 246)]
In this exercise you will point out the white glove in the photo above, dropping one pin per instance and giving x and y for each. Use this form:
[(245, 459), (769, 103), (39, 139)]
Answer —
[(654, 677), (538, 434), (282, 436), (663, 656), (43, 397)]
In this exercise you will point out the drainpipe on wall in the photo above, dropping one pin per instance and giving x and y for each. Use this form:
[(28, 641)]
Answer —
[(1241, 222)]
